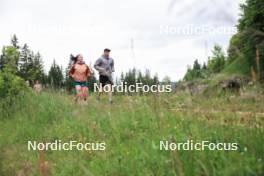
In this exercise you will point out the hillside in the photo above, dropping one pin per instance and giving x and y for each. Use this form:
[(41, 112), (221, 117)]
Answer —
[(132, 129)]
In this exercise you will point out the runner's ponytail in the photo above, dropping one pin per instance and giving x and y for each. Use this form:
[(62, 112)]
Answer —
[(73, 59)]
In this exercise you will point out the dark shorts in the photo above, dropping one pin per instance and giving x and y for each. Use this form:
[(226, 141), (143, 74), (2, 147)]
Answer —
[(82, 84), (104, 80)]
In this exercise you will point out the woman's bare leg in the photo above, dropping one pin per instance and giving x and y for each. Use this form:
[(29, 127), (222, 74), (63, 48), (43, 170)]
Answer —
[(78, 93), (85, 92)]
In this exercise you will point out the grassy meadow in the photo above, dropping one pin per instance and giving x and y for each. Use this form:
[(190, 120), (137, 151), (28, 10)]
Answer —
[(132, 128)]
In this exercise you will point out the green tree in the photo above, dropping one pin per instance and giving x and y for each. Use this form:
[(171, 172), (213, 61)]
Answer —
[(25, 62), (91, 80), (9, 59), (122, 77), (130, 77), (14, 41), (155, 79), (196, 65), (31, 67), (147, 77), (10, 84), (68, 80), (55, 76), (166, 80), (217, 62), (195, 72), (249, 41), (204, 67), (140, 77), (38, 69)]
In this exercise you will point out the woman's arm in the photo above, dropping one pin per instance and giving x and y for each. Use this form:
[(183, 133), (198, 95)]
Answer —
[(88, 71), (72, 70)]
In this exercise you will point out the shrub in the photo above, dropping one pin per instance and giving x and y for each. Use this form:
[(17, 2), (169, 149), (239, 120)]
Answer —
[(11, 86)]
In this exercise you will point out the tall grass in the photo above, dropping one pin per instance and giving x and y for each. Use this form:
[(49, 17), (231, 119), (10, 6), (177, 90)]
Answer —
[(132, 128)]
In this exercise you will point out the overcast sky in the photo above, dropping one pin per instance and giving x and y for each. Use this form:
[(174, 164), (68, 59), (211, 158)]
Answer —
[(162, 35)]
